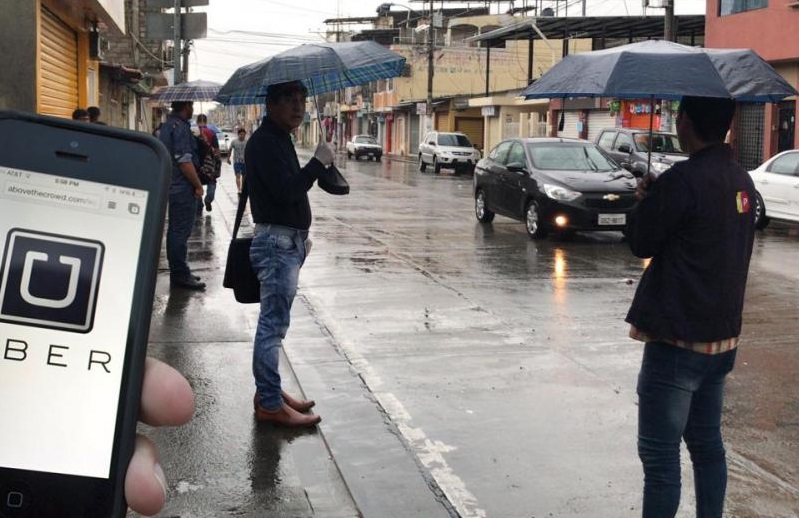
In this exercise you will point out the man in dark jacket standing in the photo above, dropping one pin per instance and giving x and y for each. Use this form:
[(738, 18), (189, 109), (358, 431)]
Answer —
[(696, 222), (278, 190)]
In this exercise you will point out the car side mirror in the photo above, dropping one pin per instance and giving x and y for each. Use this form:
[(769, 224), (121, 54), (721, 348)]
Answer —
[(625, 148), (432, 143), (517, 167)]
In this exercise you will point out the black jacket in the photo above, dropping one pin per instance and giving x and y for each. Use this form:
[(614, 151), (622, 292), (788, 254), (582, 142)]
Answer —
[(697, 225), (278, 187)]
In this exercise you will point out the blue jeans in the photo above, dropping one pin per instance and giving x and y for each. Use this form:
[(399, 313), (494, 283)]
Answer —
[(276, 260), (182, 213), (680, 396), (210, 194)]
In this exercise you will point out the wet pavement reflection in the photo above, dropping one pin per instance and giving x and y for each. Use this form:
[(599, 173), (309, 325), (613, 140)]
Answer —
[(458, 360)]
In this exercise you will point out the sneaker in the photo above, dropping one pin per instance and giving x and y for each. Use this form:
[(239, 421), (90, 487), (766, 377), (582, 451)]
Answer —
[(208, 206)]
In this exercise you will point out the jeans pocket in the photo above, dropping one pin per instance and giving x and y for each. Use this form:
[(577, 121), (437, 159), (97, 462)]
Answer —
[(285, 243)]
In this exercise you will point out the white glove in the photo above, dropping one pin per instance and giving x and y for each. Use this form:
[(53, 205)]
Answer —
[(324, 154)]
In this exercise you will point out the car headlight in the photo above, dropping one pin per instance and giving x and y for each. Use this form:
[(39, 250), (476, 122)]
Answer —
[(659, 167), (556, 192)]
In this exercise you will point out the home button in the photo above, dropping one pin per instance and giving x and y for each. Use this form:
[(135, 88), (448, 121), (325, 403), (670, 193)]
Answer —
[(15, 501)]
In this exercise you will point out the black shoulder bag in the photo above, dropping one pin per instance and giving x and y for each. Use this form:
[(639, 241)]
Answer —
[(239, 275)]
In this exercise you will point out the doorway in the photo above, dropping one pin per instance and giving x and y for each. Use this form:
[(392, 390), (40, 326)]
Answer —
[(786, 125)]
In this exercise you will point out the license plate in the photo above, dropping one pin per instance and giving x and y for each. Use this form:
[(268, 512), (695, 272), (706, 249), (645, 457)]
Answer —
[(612, 219)]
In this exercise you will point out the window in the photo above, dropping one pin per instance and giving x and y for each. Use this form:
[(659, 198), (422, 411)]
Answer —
[(606, 139), (623, 139), (569, 157), (787, 164), (740, 6), (500, 153), (516, 155), (451, 139)]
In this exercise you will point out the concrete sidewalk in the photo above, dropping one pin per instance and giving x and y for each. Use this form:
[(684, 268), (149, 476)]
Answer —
[(224, 462)]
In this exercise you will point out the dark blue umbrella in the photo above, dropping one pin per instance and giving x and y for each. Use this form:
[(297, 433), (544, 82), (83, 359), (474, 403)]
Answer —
[(322, 67), (663, 70)]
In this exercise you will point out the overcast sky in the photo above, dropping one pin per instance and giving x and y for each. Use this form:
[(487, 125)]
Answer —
[(244, 31)]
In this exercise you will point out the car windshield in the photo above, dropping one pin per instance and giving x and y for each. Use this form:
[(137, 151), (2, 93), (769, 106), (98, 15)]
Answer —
[(365, 140), (454, 140), (568, 156), (661, 143)]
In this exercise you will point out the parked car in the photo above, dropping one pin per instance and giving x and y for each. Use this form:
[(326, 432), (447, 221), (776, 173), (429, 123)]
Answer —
[(442, 149), (777, 188), (630, 147), (364, 145), (224, 142), (553, 184)]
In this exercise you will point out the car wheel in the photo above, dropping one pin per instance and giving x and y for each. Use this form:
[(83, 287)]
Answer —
[(533, 221), (422, 165), (761, 220), (436, 165), (480, 209)]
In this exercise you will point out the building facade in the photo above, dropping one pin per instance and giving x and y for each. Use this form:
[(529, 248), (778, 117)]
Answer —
[(51, 50), (770, 28)]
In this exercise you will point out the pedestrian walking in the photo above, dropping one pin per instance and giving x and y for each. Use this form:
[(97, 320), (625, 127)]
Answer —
[(212, 154), (184, 192), (237, 151), (696, 222), (278, 189)]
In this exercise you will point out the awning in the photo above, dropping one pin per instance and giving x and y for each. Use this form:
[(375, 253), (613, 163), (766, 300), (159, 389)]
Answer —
[(624, 27)]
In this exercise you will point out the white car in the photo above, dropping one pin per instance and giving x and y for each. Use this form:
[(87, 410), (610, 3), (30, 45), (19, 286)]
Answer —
[(364, 145), (443, 149), (777, 185)]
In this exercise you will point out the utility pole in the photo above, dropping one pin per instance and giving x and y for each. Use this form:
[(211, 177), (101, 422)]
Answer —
[(430, 70), (178, 39), (668, 21)]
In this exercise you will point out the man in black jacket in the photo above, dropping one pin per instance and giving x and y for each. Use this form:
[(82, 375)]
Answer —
[(278, 190), (696, 222)]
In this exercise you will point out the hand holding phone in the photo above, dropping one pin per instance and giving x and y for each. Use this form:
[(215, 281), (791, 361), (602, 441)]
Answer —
[(81, 224)]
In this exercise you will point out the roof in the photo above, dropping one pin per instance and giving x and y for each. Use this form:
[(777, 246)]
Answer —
[(594, 27)]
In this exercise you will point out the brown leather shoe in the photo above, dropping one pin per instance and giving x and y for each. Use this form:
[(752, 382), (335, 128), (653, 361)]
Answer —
[(286, 416), (300, 405)]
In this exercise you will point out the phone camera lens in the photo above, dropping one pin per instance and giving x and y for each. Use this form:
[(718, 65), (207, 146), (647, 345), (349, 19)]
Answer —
[(74, 144)]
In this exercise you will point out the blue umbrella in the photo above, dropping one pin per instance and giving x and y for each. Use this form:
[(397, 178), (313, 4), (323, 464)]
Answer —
[(665, 70), (192, 91), (322, 67)]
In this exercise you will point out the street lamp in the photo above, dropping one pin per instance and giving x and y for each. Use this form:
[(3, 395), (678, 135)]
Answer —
[(384, 8)]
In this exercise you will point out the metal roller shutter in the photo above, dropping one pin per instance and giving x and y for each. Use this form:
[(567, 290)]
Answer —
[(58, 67), (442, 121), (569, 125), (472, 127), (599, 120)]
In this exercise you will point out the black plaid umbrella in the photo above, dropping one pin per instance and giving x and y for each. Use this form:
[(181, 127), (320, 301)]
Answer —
[(192, 91)]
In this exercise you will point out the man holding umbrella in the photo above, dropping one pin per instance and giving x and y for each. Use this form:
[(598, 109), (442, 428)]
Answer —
[(278, 189), (696, 222)]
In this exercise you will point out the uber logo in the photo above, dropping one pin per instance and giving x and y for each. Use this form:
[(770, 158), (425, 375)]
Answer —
[(49, 280)]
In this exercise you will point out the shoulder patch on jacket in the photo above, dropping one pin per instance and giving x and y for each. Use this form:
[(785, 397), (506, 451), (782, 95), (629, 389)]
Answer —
[(742, 202)]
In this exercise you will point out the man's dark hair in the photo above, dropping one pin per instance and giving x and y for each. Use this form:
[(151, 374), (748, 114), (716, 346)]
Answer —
[(711, 116), (178, 106), (94, 113), (79, 114), (202, 118), (242, 130), (276, 91)]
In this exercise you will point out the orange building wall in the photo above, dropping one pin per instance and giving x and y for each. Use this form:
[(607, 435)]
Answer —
[(763, 30)]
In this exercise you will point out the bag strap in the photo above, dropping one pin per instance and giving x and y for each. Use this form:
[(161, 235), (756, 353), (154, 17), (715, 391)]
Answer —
[(242, 205)]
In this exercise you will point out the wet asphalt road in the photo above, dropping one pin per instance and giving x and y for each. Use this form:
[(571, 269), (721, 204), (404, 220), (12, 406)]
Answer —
[(461, 369)]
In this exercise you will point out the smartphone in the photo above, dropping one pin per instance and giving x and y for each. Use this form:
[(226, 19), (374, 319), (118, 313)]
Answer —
[(82, 210)]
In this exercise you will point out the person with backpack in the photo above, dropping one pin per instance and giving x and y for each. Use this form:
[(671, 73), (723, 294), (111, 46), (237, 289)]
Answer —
[(184, 191)]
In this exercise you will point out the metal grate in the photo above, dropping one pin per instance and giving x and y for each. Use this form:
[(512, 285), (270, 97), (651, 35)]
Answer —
[(750, 134)]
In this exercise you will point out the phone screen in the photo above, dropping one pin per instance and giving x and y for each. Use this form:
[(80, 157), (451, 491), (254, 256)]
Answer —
[(70, 250)]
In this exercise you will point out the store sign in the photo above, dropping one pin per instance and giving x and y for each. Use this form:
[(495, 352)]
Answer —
[(488, 111), (421, 108)]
